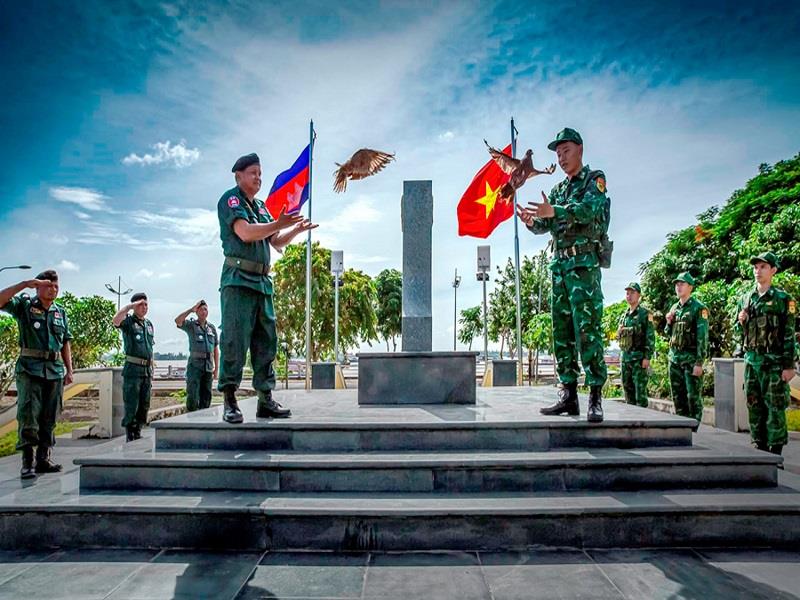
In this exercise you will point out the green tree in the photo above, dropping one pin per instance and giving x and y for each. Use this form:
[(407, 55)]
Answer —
[(93, 334), (611, 318), (356, 297), (502, 309), (538, 337), (9, 351), (389, 305), (470, 325)]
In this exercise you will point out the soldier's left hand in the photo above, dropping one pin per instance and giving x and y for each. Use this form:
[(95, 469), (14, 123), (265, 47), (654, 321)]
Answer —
[(787, 375), (68, 378), (645, 363), (543, 210), (743, 317), (305, 225), (697, 371)]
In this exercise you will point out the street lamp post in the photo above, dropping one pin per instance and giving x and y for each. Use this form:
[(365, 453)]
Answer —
[(119, 292), (16, 267), (456, 283), (337, 268), (484, 264), (285, 347)]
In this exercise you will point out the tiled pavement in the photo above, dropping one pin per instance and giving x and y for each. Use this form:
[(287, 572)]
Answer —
[(614, 574)]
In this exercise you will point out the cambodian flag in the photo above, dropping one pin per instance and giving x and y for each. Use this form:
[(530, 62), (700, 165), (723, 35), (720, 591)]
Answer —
[(290, 189)]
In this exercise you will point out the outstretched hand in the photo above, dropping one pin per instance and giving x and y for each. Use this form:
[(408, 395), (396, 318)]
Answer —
[(305, 225), (285, 220), (543, 209), (525, 215)]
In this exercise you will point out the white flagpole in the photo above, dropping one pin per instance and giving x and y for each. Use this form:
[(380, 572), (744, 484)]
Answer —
[(312, 137), (514, 133)]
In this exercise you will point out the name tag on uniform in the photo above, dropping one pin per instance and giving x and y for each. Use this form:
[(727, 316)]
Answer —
[(36, 311)]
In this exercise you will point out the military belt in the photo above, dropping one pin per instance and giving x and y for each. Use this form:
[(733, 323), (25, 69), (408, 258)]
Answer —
[(48, 355), (200, 354), (565, 253), (250, 266), (135, 360)]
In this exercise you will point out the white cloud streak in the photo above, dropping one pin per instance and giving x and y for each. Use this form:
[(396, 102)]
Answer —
[(86, 198), (177, 155)]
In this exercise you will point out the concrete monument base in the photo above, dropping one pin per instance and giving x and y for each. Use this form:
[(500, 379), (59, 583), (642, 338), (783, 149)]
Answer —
[(416, 378)]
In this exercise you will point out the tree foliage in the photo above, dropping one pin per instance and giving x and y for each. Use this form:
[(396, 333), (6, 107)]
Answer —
[(611, 318), (389, 305), (9, 351), (470, 325), (93, 334)]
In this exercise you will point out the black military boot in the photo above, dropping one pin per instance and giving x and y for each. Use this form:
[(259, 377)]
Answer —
[(760, 446), (26, 472), (137, 432), (130, 434), (776, 449), (567, 402), (595, 412), (231, 413), (268, 408), (43, 462)]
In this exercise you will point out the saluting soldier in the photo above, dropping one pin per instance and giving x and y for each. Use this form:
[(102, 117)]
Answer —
[(576, 214), (637, 340), (43, 368), (687, 330), (248, 316), (137, 374), (766, 322), (201, 367)]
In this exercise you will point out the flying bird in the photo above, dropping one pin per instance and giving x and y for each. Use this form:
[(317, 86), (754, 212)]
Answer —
[(520, 170), (363, 163)]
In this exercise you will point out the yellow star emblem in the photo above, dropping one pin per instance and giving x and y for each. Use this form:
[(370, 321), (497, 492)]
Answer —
[(489, 199)]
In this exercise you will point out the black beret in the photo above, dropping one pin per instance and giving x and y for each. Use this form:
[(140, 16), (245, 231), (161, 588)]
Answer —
[(48, 275), (245, 161), (138, 296)]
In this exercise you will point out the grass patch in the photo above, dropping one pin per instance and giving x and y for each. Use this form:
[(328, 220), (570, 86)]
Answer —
[(8, 443), (793, 420)]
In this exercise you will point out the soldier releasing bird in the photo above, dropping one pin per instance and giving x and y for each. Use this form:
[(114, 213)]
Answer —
[(363, 163), (520, 171)]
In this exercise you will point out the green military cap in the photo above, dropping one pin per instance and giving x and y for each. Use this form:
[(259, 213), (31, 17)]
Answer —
[(245, 161), (634, 286), (767, 257), (566, 135), (686, 277)]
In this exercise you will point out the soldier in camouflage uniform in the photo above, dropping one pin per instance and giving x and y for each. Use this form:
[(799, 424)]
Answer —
[(637, 340), (687, 330), (43, 368), (766, 322), (576, 214), (203, 361)]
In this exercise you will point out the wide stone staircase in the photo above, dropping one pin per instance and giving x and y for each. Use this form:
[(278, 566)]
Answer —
[(498, 475)]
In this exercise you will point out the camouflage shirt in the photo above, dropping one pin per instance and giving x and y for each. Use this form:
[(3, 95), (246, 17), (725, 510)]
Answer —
[(636, 334), (768, 334), (688, 332)]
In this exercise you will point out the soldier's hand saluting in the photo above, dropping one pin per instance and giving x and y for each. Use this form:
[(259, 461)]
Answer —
[(36, 284)]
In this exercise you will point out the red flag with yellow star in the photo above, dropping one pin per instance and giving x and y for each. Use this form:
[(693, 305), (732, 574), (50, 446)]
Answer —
[(479, 210)]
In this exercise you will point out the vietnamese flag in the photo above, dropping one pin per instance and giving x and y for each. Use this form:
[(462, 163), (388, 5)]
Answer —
[(479, 210), (290, 189)]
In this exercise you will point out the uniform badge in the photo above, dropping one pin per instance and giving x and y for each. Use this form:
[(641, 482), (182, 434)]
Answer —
[(262, 211), (37, 325), (792, 307), (138, 336), (233, 202), (601, 185), (704, 313)]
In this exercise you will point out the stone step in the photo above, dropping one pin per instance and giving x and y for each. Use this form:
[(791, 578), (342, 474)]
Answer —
[(394, 522), (507, 419), (431, 472)]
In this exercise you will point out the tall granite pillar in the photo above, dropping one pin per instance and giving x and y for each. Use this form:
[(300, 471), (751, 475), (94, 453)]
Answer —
[(417, 221)]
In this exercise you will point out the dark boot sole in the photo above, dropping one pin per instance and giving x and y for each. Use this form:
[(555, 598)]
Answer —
[(568, 413), (594, 419), (30, 475), (234, 419), (272, 415), (48, 470)]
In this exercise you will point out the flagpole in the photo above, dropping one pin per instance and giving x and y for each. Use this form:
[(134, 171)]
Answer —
[(514, 133), (312, 136)]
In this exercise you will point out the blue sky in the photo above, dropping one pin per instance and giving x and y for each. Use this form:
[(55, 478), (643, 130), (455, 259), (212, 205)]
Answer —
[(121, 121)]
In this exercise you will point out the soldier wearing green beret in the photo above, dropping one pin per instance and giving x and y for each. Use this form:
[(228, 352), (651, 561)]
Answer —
[(687, 330), (576, 214), (248, 316), (766, 323), (201, 367), (43, 368), (137, 373), (637, 340)]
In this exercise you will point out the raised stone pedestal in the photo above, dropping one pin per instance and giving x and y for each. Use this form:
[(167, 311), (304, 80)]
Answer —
[(416, 378), (504, 373), (323, 376)]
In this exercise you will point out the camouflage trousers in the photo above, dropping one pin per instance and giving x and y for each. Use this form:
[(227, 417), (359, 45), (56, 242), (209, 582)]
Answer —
[(767, 400), (686, 390), (198, 388), (634, 382), (577, 308)]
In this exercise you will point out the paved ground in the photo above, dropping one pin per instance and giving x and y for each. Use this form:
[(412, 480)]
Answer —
[(688, 573)]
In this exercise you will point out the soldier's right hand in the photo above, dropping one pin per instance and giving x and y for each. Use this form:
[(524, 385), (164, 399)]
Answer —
[(285, 220), (35, 284), (743, 316), (670, 317), (525, 215)]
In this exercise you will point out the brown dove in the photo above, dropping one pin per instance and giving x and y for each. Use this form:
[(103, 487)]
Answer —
[(520, 170), (363, 163)]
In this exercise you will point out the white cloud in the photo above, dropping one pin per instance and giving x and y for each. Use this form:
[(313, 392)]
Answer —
[(446, 136), (86, 198), (165, 275), (67, 265), (179, 155), (146, 273), (82, 215)]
